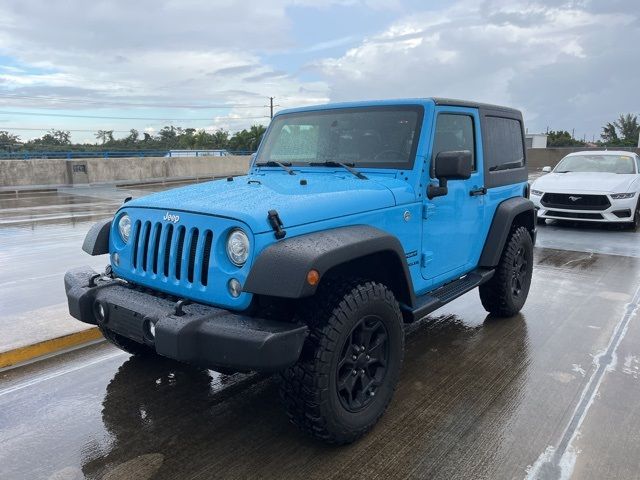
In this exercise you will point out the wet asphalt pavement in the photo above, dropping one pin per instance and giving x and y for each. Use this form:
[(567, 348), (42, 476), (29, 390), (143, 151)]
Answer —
[(551, 392)]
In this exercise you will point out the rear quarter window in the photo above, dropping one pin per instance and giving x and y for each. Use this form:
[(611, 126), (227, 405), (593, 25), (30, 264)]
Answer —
[(504, 148)]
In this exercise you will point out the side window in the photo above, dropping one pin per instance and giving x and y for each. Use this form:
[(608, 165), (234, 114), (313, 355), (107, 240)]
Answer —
[(503, 143), (638, 163), (454, 132)]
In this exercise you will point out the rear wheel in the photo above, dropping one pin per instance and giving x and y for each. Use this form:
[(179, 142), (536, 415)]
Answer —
[(126, 344), (350, 363), (505, 294)]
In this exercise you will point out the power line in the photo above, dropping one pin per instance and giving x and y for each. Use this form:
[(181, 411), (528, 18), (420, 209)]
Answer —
[(87, 101), (34, 129), (163, 119)]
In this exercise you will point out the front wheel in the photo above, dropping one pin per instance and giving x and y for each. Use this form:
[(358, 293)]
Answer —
[(635, 225), (350, 363), (504, 295)]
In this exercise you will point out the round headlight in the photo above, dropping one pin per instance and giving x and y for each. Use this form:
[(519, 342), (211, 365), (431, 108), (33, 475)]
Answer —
[(124, 227), (238, 247)]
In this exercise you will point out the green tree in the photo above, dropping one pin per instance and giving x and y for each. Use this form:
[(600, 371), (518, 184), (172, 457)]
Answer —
[(562, 138), (8, 140), (629, 128), (220, 139), (53, 137), (257, 132), (132, 138), (105, 136), (247, 140), (609, 134)]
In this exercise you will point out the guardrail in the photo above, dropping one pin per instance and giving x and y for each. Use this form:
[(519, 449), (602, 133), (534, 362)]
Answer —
[(17, 155)]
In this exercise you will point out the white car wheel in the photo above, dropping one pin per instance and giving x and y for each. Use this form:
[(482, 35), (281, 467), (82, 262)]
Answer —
[(636, 217)]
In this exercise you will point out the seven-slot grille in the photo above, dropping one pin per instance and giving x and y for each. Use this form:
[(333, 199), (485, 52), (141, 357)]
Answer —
[(570, 201), (170, 251)]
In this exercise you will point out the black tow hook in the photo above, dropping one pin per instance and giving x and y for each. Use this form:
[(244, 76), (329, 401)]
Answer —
[(276, 224), (178, 308)]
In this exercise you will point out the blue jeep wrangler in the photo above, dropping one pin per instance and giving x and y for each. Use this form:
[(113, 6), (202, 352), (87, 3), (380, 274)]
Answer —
[(353, 220)]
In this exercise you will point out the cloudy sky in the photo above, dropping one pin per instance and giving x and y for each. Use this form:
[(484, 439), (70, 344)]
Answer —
[(214, 63)]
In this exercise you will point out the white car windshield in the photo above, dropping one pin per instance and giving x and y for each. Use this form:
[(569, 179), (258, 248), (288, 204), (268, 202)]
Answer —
[(599, 163)]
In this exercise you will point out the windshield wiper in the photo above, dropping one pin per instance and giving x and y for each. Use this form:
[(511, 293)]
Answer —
[(272, 163), (346, 166)]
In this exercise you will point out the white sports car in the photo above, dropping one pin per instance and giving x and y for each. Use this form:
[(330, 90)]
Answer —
[(596, 186)]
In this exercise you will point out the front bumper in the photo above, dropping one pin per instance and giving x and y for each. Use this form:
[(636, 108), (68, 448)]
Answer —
[(196, 333), (616, 213)]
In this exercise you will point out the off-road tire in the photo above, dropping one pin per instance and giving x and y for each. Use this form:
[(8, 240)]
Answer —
[(505, 294), (126, 344), (309, 389)]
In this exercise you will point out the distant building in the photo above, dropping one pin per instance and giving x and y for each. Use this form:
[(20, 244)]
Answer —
[(536, 140)]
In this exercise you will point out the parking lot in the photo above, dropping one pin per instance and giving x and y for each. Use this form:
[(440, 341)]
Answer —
[(551, 392)]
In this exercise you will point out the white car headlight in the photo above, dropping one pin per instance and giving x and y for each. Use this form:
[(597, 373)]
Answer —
[(124, 227), (238, 247), (621, 196), (537, 193)]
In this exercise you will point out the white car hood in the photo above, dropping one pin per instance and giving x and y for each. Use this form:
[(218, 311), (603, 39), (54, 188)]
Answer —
[(571, 182)]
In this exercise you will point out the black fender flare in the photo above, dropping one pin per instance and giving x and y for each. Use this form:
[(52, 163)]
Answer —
[(96, 242), (281, 269), (503, 219)]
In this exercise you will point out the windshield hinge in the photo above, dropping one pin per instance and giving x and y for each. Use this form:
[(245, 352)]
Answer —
[(276, 224), (428, 210)]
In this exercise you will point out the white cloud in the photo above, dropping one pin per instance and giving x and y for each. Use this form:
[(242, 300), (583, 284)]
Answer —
[(566, 63), (557, 62)]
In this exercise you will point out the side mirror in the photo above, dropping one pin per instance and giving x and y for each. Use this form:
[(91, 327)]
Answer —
[(449, 165), (546, 169)]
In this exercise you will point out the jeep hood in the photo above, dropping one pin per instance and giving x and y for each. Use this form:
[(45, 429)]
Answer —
[(249, 198), (577, 182)]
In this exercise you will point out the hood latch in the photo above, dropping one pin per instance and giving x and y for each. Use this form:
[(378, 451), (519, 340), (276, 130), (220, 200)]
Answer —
[(276, 224)]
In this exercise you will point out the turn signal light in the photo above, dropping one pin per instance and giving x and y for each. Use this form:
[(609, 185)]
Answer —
[(313, 277)]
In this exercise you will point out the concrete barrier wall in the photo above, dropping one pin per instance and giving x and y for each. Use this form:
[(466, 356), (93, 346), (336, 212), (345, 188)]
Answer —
[(33, 172), (51, 172), (542, 157)]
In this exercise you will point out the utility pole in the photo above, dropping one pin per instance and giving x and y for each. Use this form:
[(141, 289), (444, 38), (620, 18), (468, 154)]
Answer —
[(271, 107)]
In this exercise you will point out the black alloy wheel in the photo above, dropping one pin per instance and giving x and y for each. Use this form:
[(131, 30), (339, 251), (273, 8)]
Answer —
[(363, 363), (520, 272)]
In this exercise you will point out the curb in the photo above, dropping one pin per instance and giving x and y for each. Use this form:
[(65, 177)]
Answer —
[(48, 347)]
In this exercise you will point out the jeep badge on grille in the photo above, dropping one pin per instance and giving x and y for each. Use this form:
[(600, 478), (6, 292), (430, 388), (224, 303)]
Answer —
[(170, 217)]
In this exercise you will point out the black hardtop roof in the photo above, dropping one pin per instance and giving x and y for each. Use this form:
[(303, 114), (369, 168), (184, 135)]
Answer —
[(452, 102)]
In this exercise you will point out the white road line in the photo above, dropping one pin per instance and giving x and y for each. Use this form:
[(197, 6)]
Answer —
[(59, 373), (558, 462)]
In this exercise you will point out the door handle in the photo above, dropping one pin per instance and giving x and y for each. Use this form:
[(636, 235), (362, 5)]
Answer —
[(478, 191)]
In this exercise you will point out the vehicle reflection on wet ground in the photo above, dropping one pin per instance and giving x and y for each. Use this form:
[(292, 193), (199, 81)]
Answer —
[(613, 239), (557, 386)]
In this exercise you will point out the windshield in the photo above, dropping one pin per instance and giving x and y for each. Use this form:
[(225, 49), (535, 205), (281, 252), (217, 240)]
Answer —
[(383, 137), (599, 163)]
